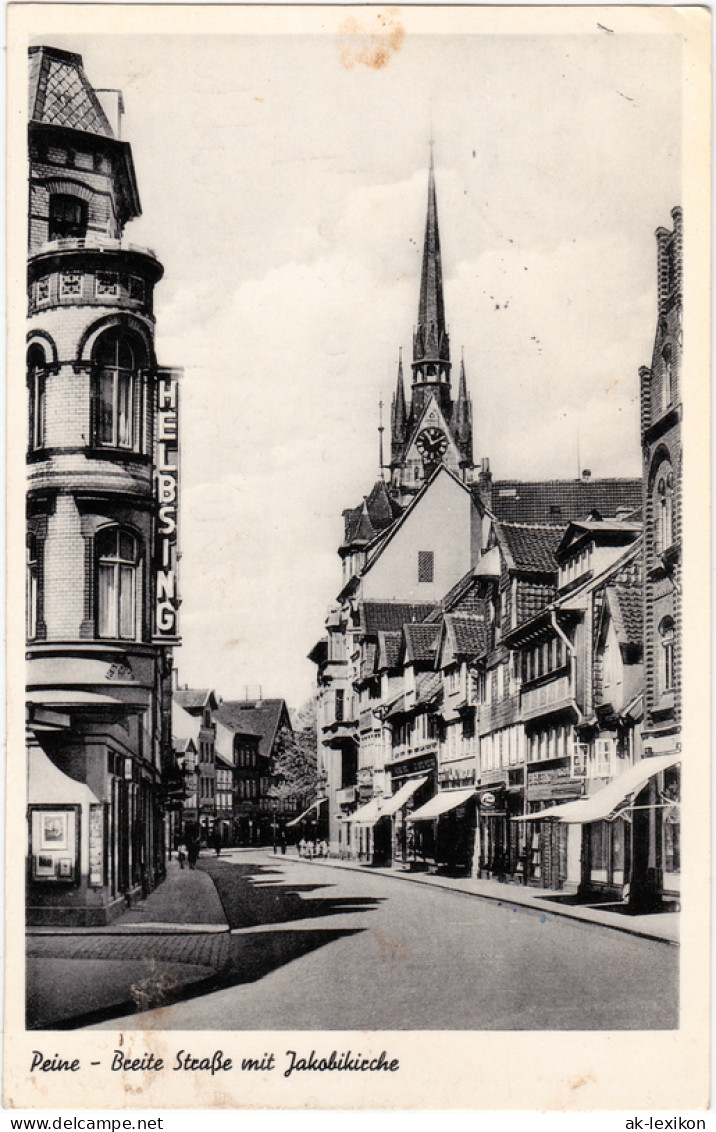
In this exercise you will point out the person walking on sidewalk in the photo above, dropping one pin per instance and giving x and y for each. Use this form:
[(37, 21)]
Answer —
[(193, 852), (181, 854)]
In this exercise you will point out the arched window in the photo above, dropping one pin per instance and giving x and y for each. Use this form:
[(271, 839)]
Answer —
[(32, 595), (666, 633), (36, 377), (667, 380), (117, 553), (68, 217), (663, 507), (118, 391)]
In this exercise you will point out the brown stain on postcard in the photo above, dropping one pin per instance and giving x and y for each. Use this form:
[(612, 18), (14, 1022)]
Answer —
[(370, 47)]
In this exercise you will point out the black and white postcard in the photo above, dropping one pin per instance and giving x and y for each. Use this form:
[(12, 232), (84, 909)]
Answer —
[(358, 403)]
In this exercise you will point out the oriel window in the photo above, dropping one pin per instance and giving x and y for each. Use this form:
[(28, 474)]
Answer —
[(117, 583)]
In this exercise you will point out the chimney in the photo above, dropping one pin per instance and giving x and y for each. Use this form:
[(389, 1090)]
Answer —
[(586, 475)]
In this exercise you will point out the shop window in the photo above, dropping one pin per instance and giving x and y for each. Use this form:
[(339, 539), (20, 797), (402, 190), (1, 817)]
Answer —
[(666, 634), (117, 554), (118, 392), (663, 507), (36, 381), (68, 217)]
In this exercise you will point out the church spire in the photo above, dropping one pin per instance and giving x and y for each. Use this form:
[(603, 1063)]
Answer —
[(430, 343), (462, 417), (399, 413)]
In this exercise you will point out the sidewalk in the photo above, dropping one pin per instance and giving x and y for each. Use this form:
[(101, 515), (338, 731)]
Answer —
[(662, 926), (171, 944)]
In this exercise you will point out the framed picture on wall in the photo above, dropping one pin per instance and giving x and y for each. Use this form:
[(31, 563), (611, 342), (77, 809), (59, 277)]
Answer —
[(53, 830)]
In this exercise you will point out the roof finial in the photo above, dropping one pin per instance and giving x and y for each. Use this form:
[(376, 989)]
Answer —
[(380, 436)]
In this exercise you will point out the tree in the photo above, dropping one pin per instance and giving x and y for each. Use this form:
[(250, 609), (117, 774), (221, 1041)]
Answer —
[(295, 767)]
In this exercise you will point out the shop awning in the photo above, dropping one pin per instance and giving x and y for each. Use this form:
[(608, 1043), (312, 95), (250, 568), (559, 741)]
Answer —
[(314, 806), (397, 801), (368, 814), (600, 806), (441, 804)]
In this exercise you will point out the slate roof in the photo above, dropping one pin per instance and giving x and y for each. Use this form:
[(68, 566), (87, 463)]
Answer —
[(421, 642), (453, 596), (470, 634), (391, 615), (181, 745), (531, 547), (558, 501), (254, 717), (60, 94)]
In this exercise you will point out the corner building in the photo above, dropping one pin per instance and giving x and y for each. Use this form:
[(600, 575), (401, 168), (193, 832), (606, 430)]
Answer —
[(102, 514)]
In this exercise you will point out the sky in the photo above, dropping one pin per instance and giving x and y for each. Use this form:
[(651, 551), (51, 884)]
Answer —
[(283, 181)]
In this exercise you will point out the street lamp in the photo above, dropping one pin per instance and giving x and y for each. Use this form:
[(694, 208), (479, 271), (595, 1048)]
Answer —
[(274, 808)]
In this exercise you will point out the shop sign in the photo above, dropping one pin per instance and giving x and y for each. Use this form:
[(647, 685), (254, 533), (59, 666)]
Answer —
[(457, 776), (166, 616), (554, 774)]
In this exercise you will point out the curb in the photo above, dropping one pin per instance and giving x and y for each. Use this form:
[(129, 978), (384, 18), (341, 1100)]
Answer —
[(546, 910)]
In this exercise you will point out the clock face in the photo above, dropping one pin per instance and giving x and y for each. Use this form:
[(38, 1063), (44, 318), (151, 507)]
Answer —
[(432, 443)]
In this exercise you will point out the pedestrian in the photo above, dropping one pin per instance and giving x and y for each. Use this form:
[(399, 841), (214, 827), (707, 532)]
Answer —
[(216, 841), (181, 854), (302, 848), (193, 852), (310, 849)]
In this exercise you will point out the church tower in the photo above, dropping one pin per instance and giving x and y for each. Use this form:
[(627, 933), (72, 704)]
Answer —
[(432, 428)]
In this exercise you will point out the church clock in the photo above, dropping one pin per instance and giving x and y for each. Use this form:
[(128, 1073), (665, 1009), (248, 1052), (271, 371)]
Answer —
[(432, 444)]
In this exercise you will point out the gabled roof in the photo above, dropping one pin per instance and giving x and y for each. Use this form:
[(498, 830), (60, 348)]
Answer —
[(380, 616), (195, 699), (222, 758), (529, 548), (377, 511), (428, 687), (60, 94), (382, 543), (368, 660), (181, 746), (626, 610), (558, 501), (611, 532), (258, 717), (453, 596), (388, 650), (469, 634), (421, 642)]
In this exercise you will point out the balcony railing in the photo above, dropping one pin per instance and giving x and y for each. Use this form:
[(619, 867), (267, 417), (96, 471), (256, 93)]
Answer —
[(93, 242), (545, 696)]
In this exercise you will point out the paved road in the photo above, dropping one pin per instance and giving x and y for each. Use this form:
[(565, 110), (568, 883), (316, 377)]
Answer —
[(315, 947)]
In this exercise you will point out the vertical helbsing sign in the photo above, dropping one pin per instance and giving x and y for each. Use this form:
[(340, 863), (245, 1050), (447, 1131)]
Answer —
[(166, 609)]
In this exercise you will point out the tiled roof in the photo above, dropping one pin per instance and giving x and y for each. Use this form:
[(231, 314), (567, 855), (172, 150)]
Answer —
[(254, 717), (60, 94), (223, 759), (389, 653), (453, 596), (470, 634), (428, 686), (532, 548), (189, 698), (558, 501), (368, 660), (421, 641), (377, 512), (180, 745), (627, 601), (387, 615)]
